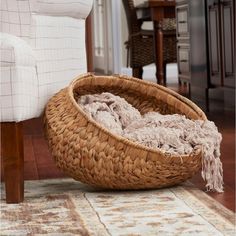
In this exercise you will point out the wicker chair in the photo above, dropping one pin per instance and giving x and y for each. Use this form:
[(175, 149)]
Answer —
[(140, 44)]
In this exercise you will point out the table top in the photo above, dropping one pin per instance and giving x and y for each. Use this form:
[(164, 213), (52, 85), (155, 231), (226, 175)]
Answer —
[(143, 10), (161, 3), (155, 3)]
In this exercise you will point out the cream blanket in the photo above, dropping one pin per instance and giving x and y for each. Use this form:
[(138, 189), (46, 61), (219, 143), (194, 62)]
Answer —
[(173, 134)]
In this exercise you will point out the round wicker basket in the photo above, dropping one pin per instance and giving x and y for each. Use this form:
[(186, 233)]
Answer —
[(86, 151)]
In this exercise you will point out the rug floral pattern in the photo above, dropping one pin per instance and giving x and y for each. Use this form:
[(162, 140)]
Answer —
[(66, 207)]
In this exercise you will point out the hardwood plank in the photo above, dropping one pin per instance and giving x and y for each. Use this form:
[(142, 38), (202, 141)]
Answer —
[(28, 149), (31, 171), (49, 171), (41, 151), (33, 127)]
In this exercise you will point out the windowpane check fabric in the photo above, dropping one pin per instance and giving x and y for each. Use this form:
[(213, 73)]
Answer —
[(42, 48)]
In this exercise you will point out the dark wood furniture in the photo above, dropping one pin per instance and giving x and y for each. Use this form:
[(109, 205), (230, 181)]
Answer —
[(140, 42), (206, 49), (221, 26), (160, 9), (156, 50), (183, 41), (12, 156)]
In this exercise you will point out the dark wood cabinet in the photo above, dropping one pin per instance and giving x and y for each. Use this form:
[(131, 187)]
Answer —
[(206, 47), (221, 23), (183, 44), (214, 43), (228, 42), (183, 55)]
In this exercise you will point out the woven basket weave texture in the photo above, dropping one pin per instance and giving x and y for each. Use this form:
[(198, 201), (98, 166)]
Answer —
[(94, 155)]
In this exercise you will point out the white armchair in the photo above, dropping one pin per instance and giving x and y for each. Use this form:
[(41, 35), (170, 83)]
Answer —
[(42, 47)]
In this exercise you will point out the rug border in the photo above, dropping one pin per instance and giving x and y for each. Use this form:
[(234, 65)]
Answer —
[(193, 196)]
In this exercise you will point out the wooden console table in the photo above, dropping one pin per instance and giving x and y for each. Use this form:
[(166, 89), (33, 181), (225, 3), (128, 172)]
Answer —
[(159, 9)]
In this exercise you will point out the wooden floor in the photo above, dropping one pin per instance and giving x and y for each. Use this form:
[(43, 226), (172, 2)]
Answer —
[(39, 163)]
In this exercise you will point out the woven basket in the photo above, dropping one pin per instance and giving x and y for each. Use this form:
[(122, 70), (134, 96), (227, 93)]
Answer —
[(91, 154)]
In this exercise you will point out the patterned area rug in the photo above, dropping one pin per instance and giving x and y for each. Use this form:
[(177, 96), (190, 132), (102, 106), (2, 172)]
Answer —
[(66, 207)]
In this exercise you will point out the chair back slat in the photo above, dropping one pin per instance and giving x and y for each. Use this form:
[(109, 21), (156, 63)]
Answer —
[(133, 24)]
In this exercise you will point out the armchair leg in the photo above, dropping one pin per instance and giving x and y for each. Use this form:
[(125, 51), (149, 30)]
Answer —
[(13, 161)]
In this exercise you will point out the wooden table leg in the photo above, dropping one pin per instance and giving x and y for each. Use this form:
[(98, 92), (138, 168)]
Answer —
[(159, 51), (13, 161)]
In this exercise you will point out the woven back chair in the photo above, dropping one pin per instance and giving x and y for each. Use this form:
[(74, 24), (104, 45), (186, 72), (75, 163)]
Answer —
[(141, 45)]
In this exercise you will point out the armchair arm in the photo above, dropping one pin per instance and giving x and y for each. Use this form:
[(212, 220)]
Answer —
[(15, 51), (19, 83), (77, 8)]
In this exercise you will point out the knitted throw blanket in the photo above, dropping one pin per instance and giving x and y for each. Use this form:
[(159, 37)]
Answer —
[(173, 134)]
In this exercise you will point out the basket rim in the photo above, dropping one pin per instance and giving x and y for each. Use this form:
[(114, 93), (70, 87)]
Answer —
[(122, 139)]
